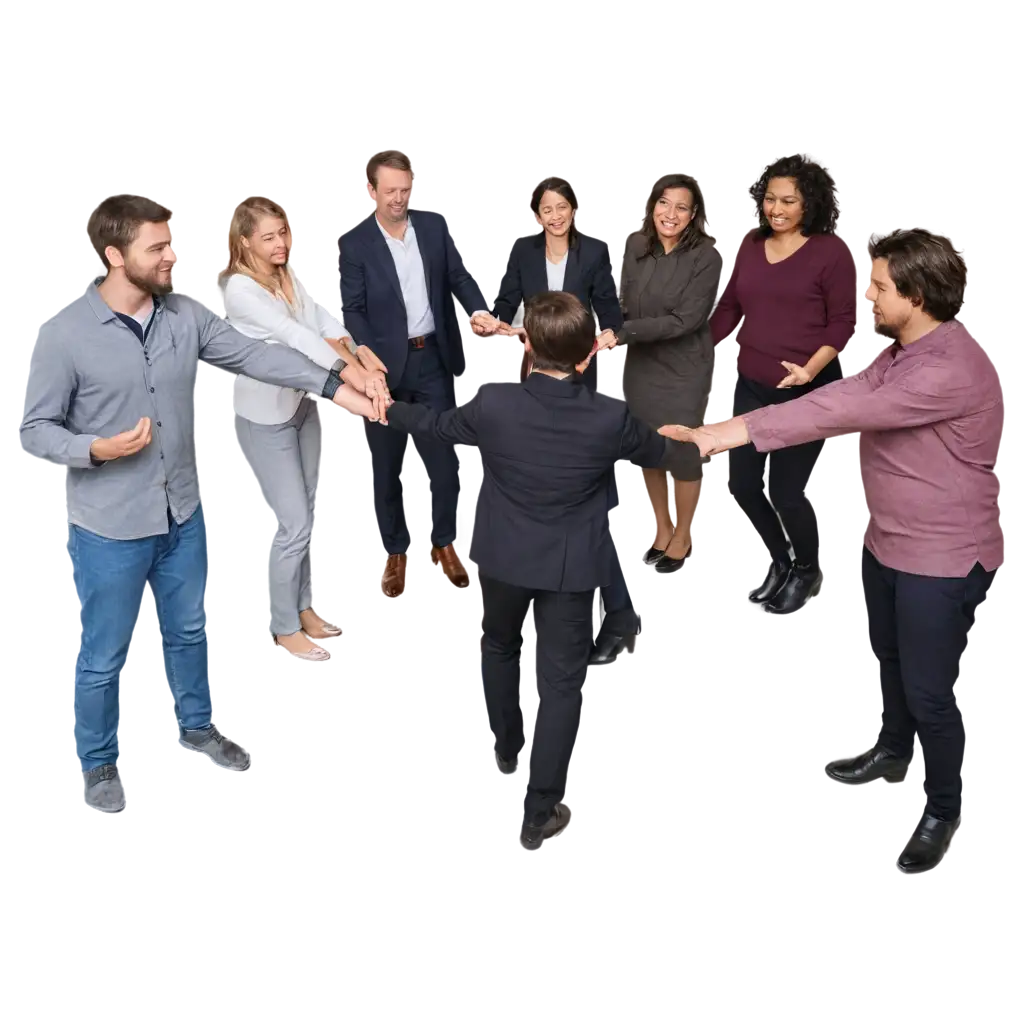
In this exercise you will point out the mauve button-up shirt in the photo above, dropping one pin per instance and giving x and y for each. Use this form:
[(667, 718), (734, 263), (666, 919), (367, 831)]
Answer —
[(930, 417)]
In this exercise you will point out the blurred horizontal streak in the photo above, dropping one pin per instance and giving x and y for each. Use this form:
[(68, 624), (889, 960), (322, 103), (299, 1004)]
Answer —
[(253, 795)]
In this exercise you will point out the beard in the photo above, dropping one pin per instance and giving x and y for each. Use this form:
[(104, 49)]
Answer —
[(148, 282), (887, 331)]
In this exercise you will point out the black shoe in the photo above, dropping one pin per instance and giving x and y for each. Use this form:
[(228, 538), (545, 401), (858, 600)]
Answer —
[(612, 640), (801, 584), (535, 832), (651, 555), (506, 767), (876, 763), (928, 844), (777, 574), (668, 564)]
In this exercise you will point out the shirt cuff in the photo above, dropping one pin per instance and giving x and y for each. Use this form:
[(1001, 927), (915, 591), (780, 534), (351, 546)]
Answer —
[(79, 456), (331, 386)]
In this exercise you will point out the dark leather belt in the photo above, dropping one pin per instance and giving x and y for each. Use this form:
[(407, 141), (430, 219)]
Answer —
[(420, 341)]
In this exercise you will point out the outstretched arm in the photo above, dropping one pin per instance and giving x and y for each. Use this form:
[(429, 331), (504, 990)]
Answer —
[(453, 426)]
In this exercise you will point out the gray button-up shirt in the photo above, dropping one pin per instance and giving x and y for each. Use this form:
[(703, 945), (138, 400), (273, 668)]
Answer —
[(91, 378)]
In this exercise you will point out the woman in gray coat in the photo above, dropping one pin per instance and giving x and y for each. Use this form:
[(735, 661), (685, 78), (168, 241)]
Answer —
[(670, 274)]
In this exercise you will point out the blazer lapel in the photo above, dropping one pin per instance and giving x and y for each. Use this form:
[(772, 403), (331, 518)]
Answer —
[(572, 269), (534, 270), (383, 254)]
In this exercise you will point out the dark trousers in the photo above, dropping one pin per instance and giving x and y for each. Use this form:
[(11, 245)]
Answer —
[(565, 633), (918, 627), (424, 380), (785, 516)]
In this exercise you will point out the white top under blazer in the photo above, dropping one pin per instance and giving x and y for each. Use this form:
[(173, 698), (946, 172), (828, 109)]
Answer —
[(257, 313)]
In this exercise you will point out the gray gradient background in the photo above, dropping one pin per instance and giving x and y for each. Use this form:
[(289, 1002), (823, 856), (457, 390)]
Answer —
[(392, 913)]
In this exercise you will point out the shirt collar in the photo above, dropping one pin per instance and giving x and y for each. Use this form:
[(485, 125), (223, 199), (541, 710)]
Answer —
[(104, 313), (935, 338), (391, 238)]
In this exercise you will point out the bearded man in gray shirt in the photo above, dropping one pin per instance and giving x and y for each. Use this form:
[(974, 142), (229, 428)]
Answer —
[(110, 396)]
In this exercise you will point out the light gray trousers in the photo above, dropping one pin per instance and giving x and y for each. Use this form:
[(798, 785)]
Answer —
[(286, 460)]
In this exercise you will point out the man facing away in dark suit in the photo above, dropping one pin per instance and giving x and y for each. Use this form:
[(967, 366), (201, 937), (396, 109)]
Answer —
[(548, 445), (399, 271)]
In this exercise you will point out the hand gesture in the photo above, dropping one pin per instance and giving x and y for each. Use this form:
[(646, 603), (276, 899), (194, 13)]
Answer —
[(607, 339), (705, 439), (510, 331), (484, 324), (797, 375), (368, 358), (106, 449)]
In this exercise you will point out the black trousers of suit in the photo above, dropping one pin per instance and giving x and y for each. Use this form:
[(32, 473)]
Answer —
[(788, 517), (918, 627), (565, 633), (424, 380)]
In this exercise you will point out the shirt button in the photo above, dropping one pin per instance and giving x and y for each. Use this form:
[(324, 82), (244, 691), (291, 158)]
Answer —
[(159, 424), (151, 390)]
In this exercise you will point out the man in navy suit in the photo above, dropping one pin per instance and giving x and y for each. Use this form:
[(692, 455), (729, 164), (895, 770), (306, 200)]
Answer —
[(541, 537), (399, 272)]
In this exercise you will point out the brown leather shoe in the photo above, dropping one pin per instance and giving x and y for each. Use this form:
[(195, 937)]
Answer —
[(393, 580), (450, 563)]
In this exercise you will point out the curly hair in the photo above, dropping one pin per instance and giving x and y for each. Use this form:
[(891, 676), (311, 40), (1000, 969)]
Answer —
[(816, 188)]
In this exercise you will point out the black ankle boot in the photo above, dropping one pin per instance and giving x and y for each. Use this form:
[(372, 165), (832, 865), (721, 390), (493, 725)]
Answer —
[(617, 634), (801, 584), (876, 763), (777, 574), (928, 844)]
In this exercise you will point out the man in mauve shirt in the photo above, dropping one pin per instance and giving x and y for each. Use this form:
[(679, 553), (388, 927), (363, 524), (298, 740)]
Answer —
[(930, 413)]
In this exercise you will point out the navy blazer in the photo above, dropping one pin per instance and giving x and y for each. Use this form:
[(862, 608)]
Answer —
[(371, 297), (548, 448), (588, 276)]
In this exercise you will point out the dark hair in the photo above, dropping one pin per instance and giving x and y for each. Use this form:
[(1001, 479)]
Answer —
[(695, 233), (816, 188), (388, 158), (116, 221), (564, 186), (561, 330), (925, 269)]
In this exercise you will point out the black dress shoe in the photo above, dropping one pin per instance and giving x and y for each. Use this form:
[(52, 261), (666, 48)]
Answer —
[(651, 555), (777, 574), (801, 584), (928, 844), (668, 564), (535, 832), (506, 767), (612, 640), (876, 763)]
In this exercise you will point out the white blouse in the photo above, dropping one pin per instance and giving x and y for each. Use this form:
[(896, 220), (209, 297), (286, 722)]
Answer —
[(257, 313), (556, 273)]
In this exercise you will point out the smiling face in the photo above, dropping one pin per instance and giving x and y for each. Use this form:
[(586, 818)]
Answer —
[(147, 262), (270, 243), (392, 194), (783, 205), (672, 213), (555, 214)]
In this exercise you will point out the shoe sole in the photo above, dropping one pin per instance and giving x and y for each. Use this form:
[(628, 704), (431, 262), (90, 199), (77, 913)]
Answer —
[(861, 782), (106, 810), (789, 611), (182, 747)]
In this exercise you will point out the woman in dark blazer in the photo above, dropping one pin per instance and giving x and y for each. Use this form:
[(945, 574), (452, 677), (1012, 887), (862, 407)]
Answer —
[(559, 259), (670, 274)]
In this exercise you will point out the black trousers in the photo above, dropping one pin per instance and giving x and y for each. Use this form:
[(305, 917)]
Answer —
[(424, 380), (565, 633), (786, 510), (918, 627)]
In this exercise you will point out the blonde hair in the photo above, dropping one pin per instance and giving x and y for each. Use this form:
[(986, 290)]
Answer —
[(244, 222)]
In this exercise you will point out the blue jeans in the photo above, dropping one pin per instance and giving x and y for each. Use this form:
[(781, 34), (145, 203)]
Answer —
[(110, 577)]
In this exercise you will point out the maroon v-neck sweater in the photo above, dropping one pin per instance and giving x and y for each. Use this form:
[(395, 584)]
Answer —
[(789, 309)]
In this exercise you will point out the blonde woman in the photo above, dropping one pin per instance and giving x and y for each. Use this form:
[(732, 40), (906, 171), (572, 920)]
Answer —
[(279, 428)]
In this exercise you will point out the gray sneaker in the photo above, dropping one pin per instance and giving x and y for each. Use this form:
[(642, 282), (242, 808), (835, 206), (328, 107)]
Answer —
[(103, 789), (217, 748)]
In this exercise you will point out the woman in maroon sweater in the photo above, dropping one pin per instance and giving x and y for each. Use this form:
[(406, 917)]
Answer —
[(794, 287)]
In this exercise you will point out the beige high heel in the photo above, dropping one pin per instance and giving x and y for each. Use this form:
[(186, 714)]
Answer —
[(314, 654)]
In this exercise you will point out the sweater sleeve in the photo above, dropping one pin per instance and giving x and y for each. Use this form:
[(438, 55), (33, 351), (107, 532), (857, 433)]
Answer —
[(839, 285), (728, 312)]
